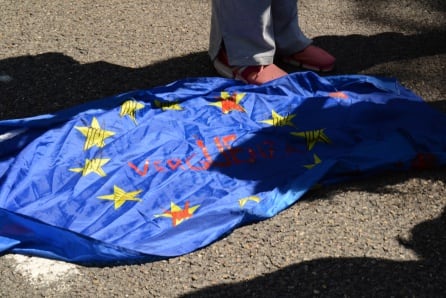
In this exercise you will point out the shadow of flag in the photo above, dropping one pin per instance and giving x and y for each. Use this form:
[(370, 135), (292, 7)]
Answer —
[(157, 173)]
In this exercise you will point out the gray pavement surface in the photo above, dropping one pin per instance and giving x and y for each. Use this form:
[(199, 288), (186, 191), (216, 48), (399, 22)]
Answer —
[(380, 237)]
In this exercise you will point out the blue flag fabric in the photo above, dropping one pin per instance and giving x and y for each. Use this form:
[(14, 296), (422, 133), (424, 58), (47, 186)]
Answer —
[(157, 173)]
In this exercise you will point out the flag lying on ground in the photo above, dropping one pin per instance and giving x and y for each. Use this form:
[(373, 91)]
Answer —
[(162, 172)]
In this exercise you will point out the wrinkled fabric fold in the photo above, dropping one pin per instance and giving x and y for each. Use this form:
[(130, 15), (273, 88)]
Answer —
[(158, 173)]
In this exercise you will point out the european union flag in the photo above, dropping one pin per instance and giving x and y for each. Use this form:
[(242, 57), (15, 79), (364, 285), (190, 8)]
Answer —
[(157, 173)]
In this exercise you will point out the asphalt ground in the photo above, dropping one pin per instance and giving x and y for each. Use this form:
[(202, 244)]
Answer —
[(384, 236)]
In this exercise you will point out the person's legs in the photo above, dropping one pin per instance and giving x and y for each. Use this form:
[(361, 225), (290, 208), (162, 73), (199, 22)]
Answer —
[(242, 42), (292, 45), (245, 29), (288, 36)]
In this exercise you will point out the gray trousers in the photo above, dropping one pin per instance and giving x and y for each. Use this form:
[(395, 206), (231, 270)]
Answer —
[(253, 31)]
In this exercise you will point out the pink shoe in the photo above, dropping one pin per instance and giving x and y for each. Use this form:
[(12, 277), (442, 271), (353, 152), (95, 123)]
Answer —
[(312, 58), (256, 74)]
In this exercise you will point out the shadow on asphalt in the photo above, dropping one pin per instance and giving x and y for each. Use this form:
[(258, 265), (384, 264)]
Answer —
[(52, 81), (356, 277), (358, 52)]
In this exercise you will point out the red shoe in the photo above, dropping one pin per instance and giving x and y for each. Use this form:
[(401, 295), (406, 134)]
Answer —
[(312, 58), (256, 74)]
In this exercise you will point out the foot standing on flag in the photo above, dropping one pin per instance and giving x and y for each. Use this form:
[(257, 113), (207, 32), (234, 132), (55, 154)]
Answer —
[(246, 35)]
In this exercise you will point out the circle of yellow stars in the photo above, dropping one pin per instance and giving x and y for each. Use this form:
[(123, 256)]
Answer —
[(96, 136)]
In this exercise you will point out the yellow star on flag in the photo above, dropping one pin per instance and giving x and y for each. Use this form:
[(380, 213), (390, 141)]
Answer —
[(168, 105), (230, 102), (92, 166), (129, 108), (178, 214), (278, 120), (317, 161), (243, 201), (95, 135), (119, 196), (312, 137)]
